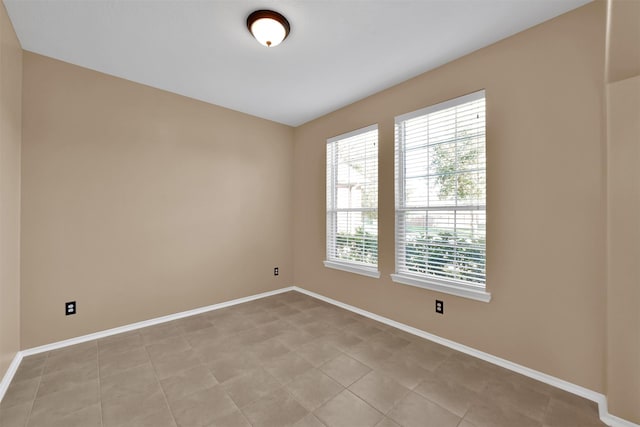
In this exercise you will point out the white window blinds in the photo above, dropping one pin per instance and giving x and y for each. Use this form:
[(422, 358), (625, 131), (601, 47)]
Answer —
[(441, 194), (352, 200)]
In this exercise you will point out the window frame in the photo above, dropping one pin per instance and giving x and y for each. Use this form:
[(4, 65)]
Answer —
[(332, 211), (423, 280)]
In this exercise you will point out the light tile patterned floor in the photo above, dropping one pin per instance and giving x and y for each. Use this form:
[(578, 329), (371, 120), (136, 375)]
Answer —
[(284, 360)]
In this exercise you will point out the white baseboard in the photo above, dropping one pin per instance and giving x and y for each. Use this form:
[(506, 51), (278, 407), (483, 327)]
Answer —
[(150, 322), (612, 420), (8, 376), (599, 398)]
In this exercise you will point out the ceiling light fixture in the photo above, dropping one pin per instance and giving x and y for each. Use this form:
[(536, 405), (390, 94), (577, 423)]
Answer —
[(268, 27)]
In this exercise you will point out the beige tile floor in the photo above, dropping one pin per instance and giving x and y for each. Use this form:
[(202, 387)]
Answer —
[(284, 360)]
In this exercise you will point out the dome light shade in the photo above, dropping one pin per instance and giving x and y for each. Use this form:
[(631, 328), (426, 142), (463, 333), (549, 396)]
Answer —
[(268, 27)]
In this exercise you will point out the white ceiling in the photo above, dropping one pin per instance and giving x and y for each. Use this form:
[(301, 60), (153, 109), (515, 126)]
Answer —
[(337, 53)]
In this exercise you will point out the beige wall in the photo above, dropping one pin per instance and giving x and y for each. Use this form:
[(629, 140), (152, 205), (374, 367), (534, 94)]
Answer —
[(10, 138), (139, 203), (624, 39), (623, 323), (546, 200), (623, 215)]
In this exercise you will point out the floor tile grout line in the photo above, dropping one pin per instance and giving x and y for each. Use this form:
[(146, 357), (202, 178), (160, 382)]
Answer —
[(218, 383), (40, 379), (546, 409), (465, 414), (99, 384), (33, 402), (405, 394), (237, 407), (249, 403), (164, 395), (282, 385)]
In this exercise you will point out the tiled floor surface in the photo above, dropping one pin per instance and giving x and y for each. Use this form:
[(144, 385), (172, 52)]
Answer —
[(283, 360)]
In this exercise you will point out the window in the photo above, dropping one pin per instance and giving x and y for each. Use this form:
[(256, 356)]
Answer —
[(352, 202), (441, 197)]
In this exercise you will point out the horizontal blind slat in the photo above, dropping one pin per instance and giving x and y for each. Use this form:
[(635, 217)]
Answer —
[(441, 191), (352, 197)]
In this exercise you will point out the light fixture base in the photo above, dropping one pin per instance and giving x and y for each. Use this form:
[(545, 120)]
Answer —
[(270, 28)]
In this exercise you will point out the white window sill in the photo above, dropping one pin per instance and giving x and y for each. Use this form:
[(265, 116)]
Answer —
[(353, 268), (442, 286)]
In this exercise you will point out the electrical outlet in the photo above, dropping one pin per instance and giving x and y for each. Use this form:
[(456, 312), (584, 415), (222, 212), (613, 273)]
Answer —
[(70, 308), (439, 306), (276, 271)]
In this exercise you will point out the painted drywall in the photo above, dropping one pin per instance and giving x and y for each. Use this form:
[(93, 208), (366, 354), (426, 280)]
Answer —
[(624, 40), (623, 209), (546, 200), (138, 203), (623, 297), (10, 139)]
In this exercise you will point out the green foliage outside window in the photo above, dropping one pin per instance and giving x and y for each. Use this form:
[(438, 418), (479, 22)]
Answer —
[(450, 163), (361, 246), (442, 253), (447, 256)]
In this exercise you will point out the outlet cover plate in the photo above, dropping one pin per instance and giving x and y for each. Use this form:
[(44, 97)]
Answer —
[(70, 308)]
